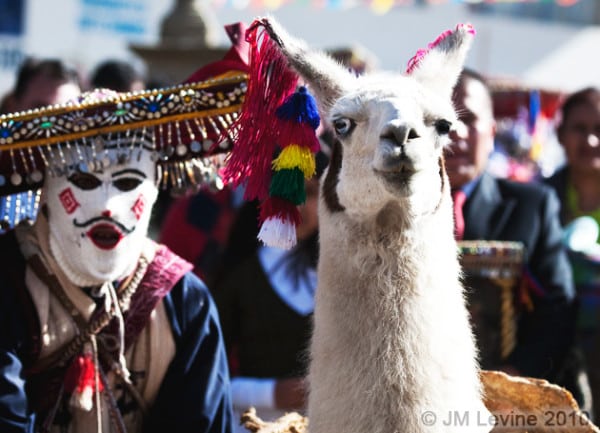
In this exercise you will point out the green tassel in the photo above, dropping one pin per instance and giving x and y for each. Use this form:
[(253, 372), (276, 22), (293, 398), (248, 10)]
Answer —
[(288, 184)]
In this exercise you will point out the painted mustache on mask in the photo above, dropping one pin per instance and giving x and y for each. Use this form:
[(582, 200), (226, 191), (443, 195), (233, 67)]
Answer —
[(103, 218)]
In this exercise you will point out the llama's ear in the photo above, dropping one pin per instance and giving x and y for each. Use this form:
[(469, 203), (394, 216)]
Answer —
[(439, 65), (326, 78)]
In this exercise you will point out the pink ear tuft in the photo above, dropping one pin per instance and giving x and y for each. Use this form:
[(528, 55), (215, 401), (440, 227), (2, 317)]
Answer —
[(414, 62), (468, 27)]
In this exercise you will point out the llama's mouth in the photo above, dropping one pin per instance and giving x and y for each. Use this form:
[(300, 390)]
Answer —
[(400, 175)]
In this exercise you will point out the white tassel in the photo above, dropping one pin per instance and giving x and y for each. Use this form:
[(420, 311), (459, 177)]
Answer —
[(276, 232), (83, 400)]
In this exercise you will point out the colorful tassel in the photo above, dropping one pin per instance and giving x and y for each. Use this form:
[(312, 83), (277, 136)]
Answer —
[(280, 218), (288, 184), (295, 156), (300, 107), (289, 132), (275, 140), (298, 119), (270, 81), (80, 381)]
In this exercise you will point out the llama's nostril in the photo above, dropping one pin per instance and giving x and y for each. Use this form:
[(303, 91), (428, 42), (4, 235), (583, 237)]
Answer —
[(399, 134)]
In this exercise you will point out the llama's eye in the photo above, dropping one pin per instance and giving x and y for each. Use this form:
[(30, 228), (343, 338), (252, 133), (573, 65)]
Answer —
[(343, 126), (442, 126)]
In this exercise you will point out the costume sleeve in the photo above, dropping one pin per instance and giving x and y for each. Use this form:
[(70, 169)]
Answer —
[(195, 395), (14, 416), (546, 334)]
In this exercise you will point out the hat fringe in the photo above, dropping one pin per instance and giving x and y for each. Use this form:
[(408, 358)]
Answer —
[(182, 125)]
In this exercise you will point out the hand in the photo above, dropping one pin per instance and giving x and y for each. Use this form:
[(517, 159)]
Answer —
[(290, 394)]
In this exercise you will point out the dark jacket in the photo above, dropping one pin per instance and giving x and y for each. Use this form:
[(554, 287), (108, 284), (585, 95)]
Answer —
[(502, 210)]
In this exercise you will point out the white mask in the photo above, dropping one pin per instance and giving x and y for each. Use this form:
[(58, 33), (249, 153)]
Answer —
[(98, 220)]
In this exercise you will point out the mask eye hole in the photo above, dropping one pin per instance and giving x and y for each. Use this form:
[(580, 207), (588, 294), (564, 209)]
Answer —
[(85, 181), (343, 126), (127, 183)]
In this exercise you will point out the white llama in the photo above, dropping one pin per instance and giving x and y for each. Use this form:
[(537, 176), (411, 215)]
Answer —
[(392, 349)]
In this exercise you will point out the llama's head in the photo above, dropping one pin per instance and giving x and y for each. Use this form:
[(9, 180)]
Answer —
[(390, 128)]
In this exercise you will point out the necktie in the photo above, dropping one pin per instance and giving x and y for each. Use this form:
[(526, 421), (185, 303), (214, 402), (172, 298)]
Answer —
[(459, 198)]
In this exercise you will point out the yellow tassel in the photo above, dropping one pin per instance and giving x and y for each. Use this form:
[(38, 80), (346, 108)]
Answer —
[(295, 156)]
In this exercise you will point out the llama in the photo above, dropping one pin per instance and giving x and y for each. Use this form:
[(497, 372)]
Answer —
[(392, 349)]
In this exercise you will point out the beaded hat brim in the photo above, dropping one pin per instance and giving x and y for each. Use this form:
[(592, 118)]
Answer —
[(187, 124)]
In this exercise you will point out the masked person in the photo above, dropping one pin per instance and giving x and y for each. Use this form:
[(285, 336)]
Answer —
[(105, 330)]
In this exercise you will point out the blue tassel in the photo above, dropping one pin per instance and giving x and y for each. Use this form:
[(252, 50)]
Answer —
[(301, 107)]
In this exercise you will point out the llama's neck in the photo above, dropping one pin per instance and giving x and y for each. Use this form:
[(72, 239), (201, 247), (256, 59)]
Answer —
[(391, 329), (393, 245)]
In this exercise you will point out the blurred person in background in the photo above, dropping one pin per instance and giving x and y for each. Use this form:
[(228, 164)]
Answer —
[(39, 83), (578, 182), (492, 209), (578, 187), (265, 298), (42, 82), (117, 75)]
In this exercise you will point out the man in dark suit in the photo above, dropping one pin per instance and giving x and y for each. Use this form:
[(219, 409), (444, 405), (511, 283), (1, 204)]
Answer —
[(501, 210)]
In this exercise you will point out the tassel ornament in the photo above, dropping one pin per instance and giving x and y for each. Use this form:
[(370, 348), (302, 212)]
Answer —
[(279, 220), (275, 140), (288, 184), (81, 380), (295, 156)]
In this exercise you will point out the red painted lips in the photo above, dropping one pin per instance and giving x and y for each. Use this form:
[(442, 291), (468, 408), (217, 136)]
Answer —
[(105, 236)]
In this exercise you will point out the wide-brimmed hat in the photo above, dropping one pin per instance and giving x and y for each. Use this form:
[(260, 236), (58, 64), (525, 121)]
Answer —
[(185, 126)]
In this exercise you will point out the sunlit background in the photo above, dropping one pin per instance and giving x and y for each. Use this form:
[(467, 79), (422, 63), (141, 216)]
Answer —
[(534, 51)]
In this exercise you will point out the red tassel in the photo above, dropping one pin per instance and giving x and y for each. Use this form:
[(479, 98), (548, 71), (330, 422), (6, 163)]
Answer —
[(80, 381), (270, 81), (279, 219), (280, 208), (290, 132)]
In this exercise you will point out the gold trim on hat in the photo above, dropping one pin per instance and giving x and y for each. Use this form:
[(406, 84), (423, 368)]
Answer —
[(188, 127), (61, 123)]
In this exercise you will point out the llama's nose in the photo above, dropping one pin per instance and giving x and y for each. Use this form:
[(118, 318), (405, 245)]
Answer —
[(399, 135)]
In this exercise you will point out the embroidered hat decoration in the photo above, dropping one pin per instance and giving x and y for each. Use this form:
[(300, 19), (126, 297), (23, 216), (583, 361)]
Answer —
[(185, 122), (187, 126)]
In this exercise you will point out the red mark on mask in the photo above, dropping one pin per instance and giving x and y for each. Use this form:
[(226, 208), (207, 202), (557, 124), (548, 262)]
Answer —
[(68, 200), (139, 206)]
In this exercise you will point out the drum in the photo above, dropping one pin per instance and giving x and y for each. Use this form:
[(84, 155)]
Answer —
[(492, 273)]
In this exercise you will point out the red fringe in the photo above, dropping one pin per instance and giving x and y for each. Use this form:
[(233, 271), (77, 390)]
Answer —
[(291, 132), (279, 207), (81, 374), (270, 82)]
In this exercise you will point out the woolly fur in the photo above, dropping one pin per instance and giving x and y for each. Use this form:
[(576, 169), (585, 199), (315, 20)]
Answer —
[(392, 340)]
